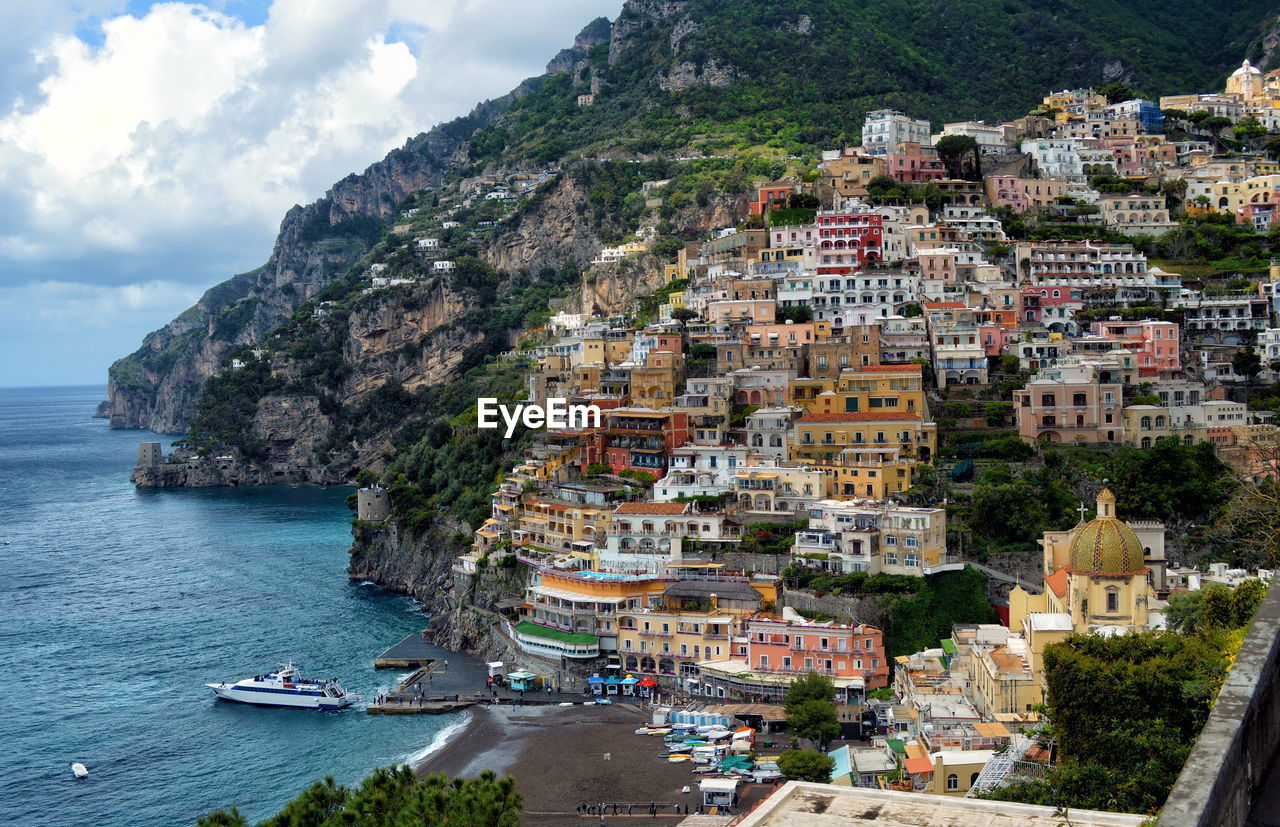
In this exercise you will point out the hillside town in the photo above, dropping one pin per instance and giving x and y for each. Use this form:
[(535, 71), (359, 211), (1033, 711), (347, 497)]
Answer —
[(794, 381)]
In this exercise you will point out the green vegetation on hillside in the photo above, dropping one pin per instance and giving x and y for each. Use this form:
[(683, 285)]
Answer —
[(1125, 712), (788, 76), (394, 797)]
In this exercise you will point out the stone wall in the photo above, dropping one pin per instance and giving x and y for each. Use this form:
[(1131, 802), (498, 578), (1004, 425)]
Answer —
[(1219, 784), (853, 609)]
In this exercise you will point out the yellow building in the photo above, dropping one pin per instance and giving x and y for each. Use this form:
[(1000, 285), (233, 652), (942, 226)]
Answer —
[(654, 384), (1097, 575), (550, 525), (864, 455), (821, 435), (878, 388)]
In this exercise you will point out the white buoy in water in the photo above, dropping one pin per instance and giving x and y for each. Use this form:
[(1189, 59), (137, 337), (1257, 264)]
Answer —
[(79, 770)]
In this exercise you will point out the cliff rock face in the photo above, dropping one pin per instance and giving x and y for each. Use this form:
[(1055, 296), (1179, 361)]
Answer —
[(461, 606), (593, 34), (556, 231), (157, 386)]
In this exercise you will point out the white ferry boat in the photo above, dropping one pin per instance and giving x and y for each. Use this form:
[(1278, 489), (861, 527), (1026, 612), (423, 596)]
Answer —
[(285, 687)]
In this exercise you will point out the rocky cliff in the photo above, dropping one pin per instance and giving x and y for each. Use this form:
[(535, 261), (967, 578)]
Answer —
[(157, 386), (462, 607)]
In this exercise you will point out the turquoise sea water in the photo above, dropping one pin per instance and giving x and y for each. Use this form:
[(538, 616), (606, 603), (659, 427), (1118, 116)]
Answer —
[(118, 605)]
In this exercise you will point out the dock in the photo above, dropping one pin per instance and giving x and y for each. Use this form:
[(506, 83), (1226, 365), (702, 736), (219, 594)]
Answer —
[(412, 652)]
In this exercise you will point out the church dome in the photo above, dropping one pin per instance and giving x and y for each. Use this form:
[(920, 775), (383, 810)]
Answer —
[(1246, 68), (1106, 545)]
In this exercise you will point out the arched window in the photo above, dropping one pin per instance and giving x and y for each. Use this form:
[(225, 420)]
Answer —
[(973, 779), (1146, 442), (953, 782), (890, 540)]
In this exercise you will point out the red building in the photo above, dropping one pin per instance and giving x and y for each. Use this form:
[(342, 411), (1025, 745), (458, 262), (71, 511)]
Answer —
[(770, 196), (848, 240), (635, 438)]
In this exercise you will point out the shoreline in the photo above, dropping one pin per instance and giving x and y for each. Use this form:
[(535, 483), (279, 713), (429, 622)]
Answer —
[(557, 756)]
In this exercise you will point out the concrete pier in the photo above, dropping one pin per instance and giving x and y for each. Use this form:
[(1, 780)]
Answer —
[(411, 652)]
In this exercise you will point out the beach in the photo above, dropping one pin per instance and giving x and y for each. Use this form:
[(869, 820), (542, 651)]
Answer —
[(557, 757)]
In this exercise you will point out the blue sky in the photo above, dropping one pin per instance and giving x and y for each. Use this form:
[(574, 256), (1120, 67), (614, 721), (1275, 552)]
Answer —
[(149, 150)]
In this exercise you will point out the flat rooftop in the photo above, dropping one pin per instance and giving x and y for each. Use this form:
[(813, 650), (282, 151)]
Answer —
[(803, 804)]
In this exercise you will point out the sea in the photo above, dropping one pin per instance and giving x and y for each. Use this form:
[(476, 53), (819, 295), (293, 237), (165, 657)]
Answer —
[(118, 605)]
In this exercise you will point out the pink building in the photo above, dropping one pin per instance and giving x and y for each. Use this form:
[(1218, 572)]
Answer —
[(1155, 343), (799, 646), (1006, 191), (1073, 402), (915, 164), (995, 338)]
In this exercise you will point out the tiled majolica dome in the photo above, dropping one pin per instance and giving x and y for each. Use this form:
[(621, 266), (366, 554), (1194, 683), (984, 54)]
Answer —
[(1106, 545)]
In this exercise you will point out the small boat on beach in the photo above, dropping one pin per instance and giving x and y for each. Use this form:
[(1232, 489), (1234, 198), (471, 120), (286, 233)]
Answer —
[(285, 687), (79, 770)]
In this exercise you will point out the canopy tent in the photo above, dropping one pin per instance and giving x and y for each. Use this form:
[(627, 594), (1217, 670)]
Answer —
[(611, 685), (648, 682), (595, 679)]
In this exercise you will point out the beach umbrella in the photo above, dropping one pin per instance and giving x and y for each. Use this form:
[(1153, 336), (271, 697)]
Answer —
[(648, 682)]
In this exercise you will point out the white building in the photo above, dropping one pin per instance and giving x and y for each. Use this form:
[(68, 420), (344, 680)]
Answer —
[(885, 130), (1056, 158), (872, 536)]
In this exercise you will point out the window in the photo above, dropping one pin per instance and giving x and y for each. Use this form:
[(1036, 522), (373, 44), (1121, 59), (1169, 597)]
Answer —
[(953, 782), (1113, 600)]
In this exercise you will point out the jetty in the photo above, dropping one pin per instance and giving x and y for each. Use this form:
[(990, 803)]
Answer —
[(412, 652)]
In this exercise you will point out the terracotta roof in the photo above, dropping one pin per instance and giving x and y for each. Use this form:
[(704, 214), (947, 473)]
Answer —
[(651, 508), (1058, 582), (918, 766), (1008, 662), (943, 305), (863, 416)]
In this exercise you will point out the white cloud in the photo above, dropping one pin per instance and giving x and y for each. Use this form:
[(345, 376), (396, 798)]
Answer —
[(167, 147)]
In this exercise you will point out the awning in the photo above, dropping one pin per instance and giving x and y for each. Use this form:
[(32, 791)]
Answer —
[(595, 679), (918, 766), (612, 681), (629, 681)]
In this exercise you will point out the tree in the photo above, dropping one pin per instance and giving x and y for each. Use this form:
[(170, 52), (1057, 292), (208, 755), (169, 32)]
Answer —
[(1125, 712), (961, 156), (806, 765), (811, 712), (1170, 481), (1246, 363), (1118, 92), (1215, 123), (1248, 129), (391, 797), (911, 310), (1146, 399), (684, 314), (810, 687), (798, 314)]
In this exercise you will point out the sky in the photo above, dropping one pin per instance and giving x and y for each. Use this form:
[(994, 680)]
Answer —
[(149, 150)]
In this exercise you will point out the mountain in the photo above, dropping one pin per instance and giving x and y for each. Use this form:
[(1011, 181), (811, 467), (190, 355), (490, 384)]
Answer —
[(761, 81)]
